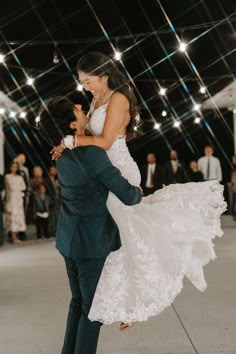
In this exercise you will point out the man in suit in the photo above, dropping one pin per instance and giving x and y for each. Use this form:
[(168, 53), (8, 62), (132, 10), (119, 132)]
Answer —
[(209, 165), (86, 231), (151, 175), (174, 170)]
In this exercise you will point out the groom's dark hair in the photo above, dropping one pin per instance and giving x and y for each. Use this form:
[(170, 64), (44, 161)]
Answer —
[(55, 117)]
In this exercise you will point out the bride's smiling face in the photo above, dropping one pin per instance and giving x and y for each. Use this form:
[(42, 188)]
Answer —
[(97, 85)]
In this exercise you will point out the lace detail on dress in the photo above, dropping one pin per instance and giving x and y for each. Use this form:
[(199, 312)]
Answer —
[(164, 238)]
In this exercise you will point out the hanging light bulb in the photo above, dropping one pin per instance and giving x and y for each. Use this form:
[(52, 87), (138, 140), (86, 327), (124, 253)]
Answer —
[(162, 91), (176, 124), (157, 126), (23, 115), (182, 46), (12, 114), (79, 87), (55, 57), (135, 128), (37, 119), (202, 90), (29, 81), (117, 55), (196, 107), (2, 58), (164, 113), (2, 110), (197, 120)]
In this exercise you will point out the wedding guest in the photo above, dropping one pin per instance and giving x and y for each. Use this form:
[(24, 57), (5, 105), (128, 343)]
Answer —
[(209, 165), (174, 170), (41, 211), (194, 174), (1, 210), (151, 175), (36, 180), (54, 193), (14, 207), (232, 188), (24, 172)]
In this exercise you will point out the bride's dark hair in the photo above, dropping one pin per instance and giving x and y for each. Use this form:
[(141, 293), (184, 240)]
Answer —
[(99, 64)]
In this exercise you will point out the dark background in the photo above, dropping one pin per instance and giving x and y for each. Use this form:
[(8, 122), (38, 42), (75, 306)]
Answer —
[(30, 31)]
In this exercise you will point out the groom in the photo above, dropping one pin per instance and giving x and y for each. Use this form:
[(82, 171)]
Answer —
[(86, 232)]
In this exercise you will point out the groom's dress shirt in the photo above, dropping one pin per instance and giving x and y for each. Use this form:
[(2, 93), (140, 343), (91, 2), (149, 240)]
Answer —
[(85, 227), (210, 168)]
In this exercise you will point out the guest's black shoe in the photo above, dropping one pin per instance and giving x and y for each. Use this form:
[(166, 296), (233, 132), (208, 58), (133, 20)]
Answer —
[(22, 236)]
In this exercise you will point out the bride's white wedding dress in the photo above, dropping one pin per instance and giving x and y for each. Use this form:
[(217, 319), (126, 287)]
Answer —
[(164, 238)]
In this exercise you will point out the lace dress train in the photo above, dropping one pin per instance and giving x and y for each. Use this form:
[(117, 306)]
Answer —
[(166, 237)]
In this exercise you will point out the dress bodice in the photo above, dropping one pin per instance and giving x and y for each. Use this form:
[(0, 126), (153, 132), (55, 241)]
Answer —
[(118, 153)]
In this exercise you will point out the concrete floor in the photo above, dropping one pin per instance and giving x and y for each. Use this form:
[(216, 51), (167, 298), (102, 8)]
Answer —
[(34, 297)]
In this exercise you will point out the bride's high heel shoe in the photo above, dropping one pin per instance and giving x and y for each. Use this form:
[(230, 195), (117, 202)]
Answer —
[(124, 326)]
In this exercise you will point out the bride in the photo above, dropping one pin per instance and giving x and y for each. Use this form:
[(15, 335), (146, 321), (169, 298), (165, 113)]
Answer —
[(167, 236)]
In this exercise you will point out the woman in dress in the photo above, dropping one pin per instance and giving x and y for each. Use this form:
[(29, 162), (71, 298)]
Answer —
[(164, 238), (14, 206)]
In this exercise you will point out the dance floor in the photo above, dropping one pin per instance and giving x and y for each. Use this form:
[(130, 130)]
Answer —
[(34, 297)]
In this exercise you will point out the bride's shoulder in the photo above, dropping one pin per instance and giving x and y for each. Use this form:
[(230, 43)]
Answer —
[(118, 98)]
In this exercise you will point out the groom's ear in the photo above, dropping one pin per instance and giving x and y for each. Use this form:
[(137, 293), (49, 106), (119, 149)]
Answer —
[(73, 125)]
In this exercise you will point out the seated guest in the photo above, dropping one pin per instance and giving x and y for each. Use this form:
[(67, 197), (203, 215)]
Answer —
[(151, 175), (194, 174)]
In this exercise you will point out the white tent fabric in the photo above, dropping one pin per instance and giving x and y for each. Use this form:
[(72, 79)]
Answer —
[(226, 98), (9, 105)]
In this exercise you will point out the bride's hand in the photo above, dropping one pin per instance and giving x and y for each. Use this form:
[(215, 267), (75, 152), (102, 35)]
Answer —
[(57, 151)]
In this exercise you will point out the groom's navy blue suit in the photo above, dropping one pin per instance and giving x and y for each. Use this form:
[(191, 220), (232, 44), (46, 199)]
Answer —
[(86, 234)]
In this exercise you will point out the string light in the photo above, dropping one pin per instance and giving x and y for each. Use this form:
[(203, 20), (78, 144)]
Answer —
[(164, 113), (2, 58), (117, 55), (23, 115), (196, 107), (197, 120), (157, 126), (162, 91), (30, 81), (202, 90), (79, 87), (176, 124), (182, 47), (37, 119), (12, 114), (135, 128), (2, 110), (55, 58)]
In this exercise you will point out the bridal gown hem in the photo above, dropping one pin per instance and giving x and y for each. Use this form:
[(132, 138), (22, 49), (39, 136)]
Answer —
[(167, 237)]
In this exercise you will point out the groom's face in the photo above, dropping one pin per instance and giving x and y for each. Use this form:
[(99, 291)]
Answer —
[(81, 120)]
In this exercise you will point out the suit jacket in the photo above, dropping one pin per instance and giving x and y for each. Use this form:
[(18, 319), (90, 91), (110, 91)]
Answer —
[(170, 177), (157, 177), (85, 227)]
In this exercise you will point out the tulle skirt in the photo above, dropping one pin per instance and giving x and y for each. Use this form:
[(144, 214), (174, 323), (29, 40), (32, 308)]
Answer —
[(166, 237)]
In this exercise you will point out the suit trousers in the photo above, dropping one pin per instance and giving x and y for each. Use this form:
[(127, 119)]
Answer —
[(81, 335)]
